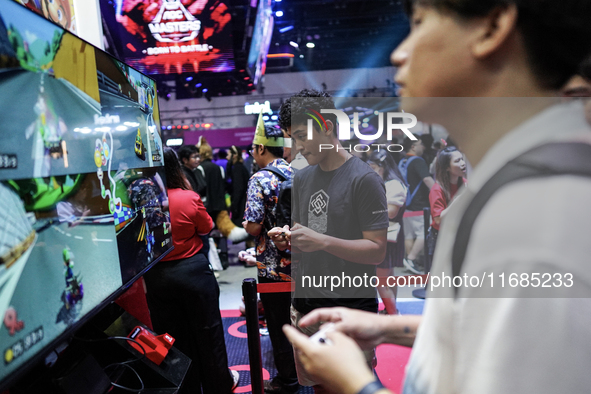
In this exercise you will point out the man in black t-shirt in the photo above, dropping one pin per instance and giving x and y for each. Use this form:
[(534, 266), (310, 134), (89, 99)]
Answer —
[(339, 216), (420, 182)]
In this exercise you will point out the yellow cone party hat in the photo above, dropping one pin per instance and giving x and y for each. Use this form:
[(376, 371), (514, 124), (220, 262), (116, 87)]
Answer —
[(261, 139)]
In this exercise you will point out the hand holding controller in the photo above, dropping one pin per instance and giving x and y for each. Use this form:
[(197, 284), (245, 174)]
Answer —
[(320, 336)]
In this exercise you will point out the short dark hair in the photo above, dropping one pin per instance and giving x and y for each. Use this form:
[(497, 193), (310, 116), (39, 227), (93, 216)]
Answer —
[(186, 151), (427, 140), (274, 133), (296, 110), (408, 143), (557, 34)]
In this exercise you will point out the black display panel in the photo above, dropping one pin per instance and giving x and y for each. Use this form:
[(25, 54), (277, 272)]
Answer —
[(261, 40), (85, 209)]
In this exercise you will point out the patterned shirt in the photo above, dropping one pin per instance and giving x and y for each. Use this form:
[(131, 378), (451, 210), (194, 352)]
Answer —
[(261, 204)]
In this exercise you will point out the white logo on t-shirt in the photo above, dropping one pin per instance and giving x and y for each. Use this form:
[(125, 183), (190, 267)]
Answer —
[(318, 212)]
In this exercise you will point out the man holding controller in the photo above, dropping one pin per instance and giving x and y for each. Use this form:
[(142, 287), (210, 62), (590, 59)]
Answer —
[(513, 343), (340, 216)]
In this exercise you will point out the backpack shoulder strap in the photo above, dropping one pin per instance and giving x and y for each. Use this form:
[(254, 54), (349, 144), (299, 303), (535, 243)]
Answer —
[(276, 171), (409, 159), (567, 158), (411, 195)]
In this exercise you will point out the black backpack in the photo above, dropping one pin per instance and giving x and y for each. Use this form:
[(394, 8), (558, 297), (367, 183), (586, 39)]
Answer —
[(566, 158), (283, 211)]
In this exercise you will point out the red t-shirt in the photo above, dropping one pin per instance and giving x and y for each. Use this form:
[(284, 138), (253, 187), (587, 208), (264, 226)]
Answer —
[(188, 219), (437, 201)]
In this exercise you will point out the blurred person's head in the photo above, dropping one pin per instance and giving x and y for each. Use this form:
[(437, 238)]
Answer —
[(175, 178), (451, 169), (413, 147), (236, 155), (463, 48), (384, 164), (427, 140), (205, 150), (189, 156)]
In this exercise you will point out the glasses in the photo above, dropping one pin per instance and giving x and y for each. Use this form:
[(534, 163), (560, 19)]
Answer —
[(251, 150)]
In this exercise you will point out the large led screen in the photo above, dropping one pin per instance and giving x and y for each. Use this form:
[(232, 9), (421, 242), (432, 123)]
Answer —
[(171, 36), (85, 209)]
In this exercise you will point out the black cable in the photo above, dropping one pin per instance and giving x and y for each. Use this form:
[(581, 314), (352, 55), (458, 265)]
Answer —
[(122, 363), (124, 387), (141, 357)]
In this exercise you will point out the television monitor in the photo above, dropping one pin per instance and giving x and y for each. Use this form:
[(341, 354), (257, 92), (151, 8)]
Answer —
[(81, 184), (261, 40), (170, 36)]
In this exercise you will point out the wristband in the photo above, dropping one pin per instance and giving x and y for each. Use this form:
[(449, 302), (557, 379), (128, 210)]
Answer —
[(372, 388)]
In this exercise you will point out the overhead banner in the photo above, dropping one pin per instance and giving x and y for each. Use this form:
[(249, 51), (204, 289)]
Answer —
[(171, 37)]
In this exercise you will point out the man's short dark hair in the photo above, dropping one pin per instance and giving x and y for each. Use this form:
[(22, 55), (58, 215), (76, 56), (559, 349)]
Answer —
[(408, 143), (427, 140), (186, 151), (294, 111), (274, 133), (557, 34)]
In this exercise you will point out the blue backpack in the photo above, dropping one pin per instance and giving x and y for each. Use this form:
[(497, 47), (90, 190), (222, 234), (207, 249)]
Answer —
[(403, 167)]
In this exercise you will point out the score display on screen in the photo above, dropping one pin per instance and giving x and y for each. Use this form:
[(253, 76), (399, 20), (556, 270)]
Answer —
[(171, 36), (82, 185)]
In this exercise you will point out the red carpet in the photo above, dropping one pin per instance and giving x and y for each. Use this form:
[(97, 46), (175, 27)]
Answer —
[(392, 359)]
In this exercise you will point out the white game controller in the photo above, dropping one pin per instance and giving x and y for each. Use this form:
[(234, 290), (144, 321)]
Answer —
[(320, 336)]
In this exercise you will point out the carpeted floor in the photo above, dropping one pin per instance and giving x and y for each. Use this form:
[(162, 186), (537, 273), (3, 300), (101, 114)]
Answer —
[(391, 359)]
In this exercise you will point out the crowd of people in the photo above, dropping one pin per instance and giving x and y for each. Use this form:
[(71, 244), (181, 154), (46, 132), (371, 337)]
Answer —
[(351, 216)]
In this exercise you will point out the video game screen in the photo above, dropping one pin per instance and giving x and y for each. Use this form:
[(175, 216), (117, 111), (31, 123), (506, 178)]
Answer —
[(261, 40), (57, 11), (82, 184), (170, 36)]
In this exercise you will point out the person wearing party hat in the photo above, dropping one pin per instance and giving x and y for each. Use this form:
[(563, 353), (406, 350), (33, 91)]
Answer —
[(273, 265)]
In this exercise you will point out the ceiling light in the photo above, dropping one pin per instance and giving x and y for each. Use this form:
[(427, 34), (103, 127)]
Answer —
[(310, 45), (279, 13), (294, 44)]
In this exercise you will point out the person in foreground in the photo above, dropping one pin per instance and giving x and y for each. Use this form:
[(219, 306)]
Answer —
[(510, 343)]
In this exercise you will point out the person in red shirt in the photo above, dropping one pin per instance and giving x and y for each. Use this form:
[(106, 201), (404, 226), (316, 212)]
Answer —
[(449, 175), (183, 294)]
